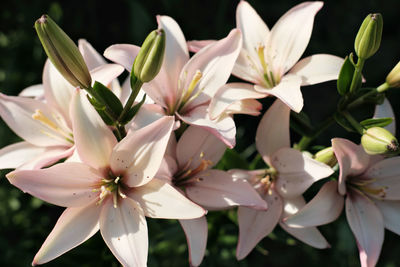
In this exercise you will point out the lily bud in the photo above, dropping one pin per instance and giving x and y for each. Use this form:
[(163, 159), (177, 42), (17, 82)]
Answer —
[(393, 78), (377, 140), (63, 52), (369, 36), (151, 55), (326, 156)]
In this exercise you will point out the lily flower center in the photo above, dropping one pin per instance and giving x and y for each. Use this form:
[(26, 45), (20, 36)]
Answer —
[(190, 94), (110, 186), (270, 80), (264, 182), (55, 127), (189, 175), (365, 186)]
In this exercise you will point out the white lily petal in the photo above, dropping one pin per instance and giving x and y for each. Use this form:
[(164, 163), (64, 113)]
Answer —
[(15, 155), (366, 223), (138, 156), (254, 225), (158, 199), (391, 214), (75, 226), (36, 91), (229, 94), (124, 229), (46, 158), (385, 110), (246, 106), (297, 172), (255, 31), (318, 68), (352, 160), (123, 54), (196, 231), (64, 184), (216, 189), (94, 140), (92, 58), (215, 63), (291, 34), (273, 131), (57, 90), (48, 129), (309, 235), (223, 128), (106, 73), (288, 91), (324, 208), (176, 51), (385, 176), (197, 145), (195, 45)]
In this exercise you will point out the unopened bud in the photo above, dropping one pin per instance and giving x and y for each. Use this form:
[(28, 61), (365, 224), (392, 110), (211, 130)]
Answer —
[(150, 58), (377, 140), (369, 36), (326, 156), (63, 52), (393, 78)]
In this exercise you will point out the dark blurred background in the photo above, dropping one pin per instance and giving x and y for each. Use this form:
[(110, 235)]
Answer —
[(25, 221)]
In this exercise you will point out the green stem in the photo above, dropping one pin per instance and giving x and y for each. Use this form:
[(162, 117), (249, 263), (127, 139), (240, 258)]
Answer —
[(383, 87), (355, 82), (135, 91), (353, 122), (306, 140)]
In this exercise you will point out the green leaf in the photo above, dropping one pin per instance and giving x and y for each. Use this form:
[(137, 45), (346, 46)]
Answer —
[(345, 76), (107, 97), (101, 110), (232, 160), (380, 122), (342, 121), (132, 112)]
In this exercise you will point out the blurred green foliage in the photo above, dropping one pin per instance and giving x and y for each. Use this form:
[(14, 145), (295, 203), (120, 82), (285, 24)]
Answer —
[(25, 221)]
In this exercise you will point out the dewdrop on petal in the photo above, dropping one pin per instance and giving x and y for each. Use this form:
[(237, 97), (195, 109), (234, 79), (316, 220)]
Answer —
[(63, 52)]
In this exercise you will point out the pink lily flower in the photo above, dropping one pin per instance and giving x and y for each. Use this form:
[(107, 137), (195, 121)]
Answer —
[(290, 174), (369, 188), (270, 58), (184, 87), (187, 166), (44, 123), (112, 189)]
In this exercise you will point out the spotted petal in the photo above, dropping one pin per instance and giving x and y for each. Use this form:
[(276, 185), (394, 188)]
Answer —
[(158, 199), (297, 172), (138, 156), (124, 229), (65, 184)]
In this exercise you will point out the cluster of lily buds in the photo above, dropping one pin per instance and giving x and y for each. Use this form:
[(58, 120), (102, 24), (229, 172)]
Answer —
[(112, 161)]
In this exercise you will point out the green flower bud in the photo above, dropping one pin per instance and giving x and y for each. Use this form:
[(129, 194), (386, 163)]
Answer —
[(393, 78), (63, 52), (151, 55), (377, 140), (326, 156), (369, 36)]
